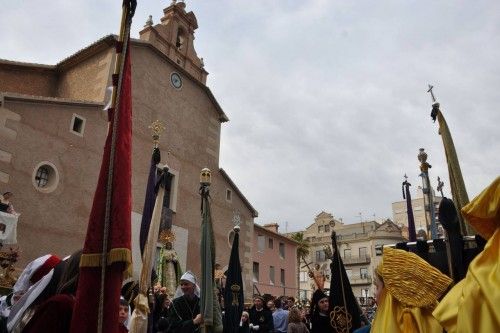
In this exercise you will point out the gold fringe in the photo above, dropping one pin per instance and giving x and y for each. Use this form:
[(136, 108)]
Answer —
[(114, 256)]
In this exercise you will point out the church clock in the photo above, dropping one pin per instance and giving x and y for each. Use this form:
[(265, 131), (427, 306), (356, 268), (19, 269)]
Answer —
[(176, 80)]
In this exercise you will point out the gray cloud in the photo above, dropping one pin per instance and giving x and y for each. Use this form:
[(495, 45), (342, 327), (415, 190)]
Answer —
[(327, 101)]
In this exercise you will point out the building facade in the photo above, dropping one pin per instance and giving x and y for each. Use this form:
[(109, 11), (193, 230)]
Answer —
[(274, 262), (53, 127), (356, 243), (421, 213)]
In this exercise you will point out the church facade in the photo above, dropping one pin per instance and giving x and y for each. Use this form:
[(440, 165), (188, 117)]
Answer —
[(53, 127)]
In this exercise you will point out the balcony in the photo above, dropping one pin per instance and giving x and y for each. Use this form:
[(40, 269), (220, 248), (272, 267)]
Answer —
[(356, 260), (357, 280)]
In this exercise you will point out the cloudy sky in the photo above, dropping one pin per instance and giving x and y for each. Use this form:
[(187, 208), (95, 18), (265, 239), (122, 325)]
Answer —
[(327, 99)]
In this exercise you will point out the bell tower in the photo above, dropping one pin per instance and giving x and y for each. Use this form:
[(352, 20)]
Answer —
[(174, 37)]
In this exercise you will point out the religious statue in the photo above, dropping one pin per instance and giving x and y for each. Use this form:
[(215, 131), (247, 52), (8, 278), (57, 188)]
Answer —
[(168, 269), (318, 277), (219, 276)]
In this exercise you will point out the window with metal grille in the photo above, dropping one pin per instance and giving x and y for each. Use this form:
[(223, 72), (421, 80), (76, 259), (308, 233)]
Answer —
[(42, 176)]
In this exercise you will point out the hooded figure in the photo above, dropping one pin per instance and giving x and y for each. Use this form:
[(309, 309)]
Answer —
[(320, 313), (472, 304), (34, 271), (22, 311), (407, 290), (185, 314)]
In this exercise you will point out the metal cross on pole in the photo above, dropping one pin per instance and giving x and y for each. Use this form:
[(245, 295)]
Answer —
[(440, 186), (432, 94)]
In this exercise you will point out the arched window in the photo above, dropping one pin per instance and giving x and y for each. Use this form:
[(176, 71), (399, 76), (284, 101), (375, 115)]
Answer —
[(181, 38)]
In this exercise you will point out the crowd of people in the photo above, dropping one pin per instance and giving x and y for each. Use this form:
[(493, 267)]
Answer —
[(269, 314), (410, 294), (266, 314)]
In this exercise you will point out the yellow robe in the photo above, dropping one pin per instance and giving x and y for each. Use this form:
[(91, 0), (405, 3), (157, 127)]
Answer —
[(390, 317), (473, 305)]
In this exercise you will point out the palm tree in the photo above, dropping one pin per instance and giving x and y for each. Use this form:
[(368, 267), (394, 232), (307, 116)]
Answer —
[(302, 252)]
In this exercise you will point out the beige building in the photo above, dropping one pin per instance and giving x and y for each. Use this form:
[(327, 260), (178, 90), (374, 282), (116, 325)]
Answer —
[(52, 131), (421, 213), (356, 244)]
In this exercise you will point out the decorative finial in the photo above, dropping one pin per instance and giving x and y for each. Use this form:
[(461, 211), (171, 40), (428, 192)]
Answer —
[(156, 128), (236, 221), (202, 63), (432, 94), (173, 2), (440, 186), (181, 4), (149, 22), (405, 183), (435, 105), (205, 177), (422, 157)]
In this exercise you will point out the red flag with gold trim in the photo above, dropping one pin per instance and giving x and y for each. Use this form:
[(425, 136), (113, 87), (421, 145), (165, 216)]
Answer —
[(97, 305)]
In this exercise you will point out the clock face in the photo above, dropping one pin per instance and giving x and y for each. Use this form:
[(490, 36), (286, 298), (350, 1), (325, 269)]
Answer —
[(176, 80)]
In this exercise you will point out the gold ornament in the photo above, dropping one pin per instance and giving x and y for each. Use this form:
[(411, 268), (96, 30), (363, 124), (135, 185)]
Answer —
[(235, 289), (205, 176), (167, 236), (156, 127), (340, 319)]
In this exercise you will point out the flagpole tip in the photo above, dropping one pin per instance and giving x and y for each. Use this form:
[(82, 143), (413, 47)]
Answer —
[(205, 177)]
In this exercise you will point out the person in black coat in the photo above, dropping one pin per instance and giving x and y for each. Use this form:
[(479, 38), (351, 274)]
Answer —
[(320, 313), (184, 314), (261, 318)]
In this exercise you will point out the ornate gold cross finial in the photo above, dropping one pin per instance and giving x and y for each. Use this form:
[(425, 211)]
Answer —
[(156, 128)]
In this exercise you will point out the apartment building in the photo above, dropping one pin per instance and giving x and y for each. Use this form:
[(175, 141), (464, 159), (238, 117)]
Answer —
[(356, 243), (274, 262)]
